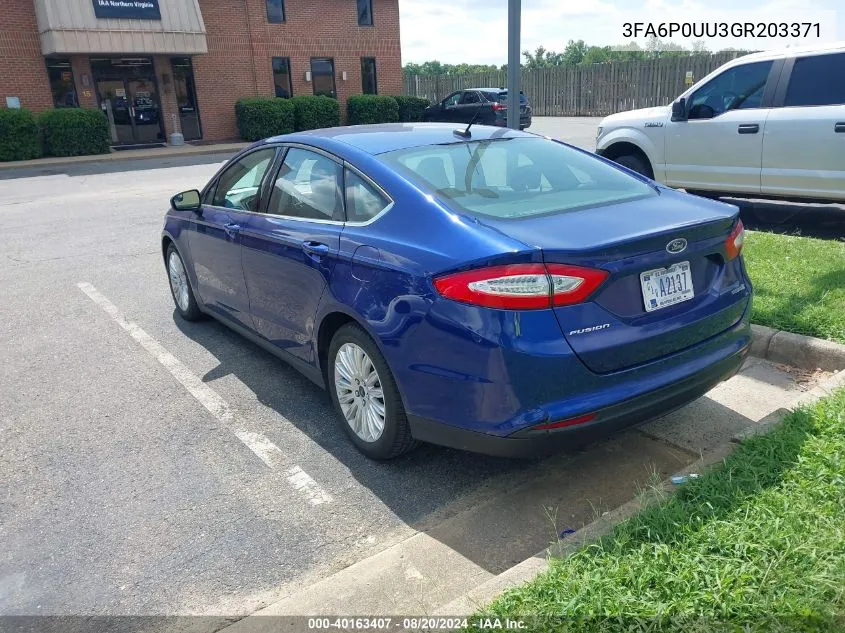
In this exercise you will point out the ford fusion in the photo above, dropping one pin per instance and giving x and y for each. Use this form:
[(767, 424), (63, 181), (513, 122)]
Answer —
[(489, 290)]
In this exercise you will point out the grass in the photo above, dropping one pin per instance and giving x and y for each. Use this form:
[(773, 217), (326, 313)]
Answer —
[(799, 283), (757, 544)]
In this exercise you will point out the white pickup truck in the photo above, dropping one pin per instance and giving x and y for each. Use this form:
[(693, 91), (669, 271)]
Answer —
[(764, 125)]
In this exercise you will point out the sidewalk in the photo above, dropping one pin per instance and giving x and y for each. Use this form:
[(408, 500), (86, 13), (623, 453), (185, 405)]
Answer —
[(125, 155)]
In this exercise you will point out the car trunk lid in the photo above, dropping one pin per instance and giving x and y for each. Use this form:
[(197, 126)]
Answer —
[(613, 329)]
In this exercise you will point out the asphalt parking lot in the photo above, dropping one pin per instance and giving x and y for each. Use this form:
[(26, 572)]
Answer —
[(153, 466)]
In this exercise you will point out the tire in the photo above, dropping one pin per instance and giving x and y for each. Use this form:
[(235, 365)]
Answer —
[(183, 295), (634, 163), (395, 437)]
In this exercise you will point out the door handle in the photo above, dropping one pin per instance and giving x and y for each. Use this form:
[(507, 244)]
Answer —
[(231, 230), (839, 128), (315, 248), (748, 128)]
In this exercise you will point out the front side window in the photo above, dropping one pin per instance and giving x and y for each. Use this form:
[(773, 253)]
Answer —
[(740, 87), (451, 100), (281, 77), (816, 81), (61, 83), (515, 178), (322, 76), (363, 200), (239, 187), (275, 11), (365, 12), (307, 186), (368, 76)]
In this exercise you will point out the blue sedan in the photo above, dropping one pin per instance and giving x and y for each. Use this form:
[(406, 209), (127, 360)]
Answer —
[(494, 291)]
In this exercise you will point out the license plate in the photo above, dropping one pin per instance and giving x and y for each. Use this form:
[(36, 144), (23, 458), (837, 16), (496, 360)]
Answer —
[(664, 287)]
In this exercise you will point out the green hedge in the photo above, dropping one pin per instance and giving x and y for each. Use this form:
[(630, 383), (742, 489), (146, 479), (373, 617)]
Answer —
[(19, 137), (364, 109), (74, 131), (411, 108), (260, 117), (311, 113)]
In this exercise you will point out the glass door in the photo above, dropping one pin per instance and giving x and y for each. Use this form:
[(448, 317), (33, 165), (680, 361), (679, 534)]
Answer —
[(186, 98), (127, 91), (115, 103), (145, 111)]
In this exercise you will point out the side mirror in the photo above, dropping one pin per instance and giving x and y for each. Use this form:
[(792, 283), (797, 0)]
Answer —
[(679, 110), (186, 201)]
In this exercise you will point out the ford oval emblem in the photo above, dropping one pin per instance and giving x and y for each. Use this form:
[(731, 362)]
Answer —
[(676, 246)]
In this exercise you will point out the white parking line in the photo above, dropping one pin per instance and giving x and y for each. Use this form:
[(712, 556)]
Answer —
[(258, 443)]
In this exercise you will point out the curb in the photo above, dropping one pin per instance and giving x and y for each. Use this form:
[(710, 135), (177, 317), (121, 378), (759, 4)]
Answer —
[(803, 352), (120, 156), (480, 596)]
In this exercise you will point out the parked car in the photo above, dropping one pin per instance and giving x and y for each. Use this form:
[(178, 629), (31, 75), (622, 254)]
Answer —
[(769, 124), (497, 292), (489, 106)]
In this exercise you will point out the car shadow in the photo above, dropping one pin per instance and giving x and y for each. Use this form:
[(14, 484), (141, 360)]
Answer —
[(493, 511), (824, 221)]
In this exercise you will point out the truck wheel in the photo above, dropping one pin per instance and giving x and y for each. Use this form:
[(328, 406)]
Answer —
[(634, 163)]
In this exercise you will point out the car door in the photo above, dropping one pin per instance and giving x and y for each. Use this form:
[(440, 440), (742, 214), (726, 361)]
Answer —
[(449, 107), (719, 147), (215, 240), (804, 141), (290, 249), (470, 103)]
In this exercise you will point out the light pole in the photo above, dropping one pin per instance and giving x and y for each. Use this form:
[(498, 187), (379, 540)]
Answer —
[(514, 11)]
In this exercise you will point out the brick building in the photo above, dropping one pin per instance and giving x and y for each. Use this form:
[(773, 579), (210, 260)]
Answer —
[(155, 64)]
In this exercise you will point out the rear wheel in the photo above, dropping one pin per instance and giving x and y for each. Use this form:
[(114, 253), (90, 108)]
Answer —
[(366, 397), (180, 287), (634, 163)]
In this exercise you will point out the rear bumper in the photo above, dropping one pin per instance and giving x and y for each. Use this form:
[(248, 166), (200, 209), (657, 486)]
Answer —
[(532, 443)]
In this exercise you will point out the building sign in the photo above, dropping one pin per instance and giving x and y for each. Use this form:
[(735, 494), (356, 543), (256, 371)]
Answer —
[(132, 9)]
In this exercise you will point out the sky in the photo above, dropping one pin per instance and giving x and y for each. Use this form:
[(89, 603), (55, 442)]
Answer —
[(475, 31)]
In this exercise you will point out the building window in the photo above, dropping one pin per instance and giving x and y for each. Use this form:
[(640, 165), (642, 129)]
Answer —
[(281, 77), (365, 12), (368, 76), (322, 76), (275, 11), (62, 84)]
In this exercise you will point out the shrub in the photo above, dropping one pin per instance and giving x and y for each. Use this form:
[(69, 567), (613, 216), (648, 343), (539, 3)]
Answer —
[(363, 109), (74, 131), (260, 117), (411, 108), (19, 139), (311, 113)]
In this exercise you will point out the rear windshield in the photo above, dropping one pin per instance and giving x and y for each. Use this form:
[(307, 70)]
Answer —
[(502, 97), (515, 178)]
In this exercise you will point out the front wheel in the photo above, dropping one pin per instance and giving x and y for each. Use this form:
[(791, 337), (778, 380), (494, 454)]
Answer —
[(366, 397), (180, 287), (634, 163)]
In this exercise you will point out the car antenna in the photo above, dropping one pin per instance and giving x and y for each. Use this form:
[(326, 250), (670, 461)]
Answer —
[(466, 133)]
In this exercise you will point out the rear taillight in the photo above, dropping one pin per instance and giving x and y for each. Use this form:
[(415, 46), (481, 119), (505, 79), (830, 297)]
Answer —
[(498, 107), (733, 245), (522, 286)]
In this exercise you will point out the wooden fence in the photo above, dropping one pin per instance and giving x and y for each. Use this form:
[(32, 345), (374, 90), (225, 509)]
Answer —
[(594, 90)]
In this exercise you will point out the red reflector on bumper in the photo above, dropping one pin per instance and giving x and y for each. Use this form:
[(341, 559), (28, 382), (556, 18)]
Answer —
[(581, 419)]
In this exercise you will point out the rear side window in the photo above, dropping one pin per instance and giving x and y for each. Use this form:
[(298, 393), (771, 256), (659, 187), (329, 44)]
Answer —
[(363, 200), (514, 178), (817, 80), (470, 97)]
